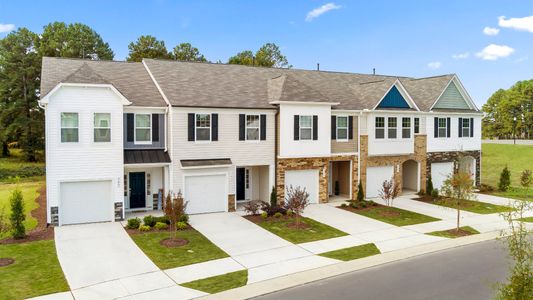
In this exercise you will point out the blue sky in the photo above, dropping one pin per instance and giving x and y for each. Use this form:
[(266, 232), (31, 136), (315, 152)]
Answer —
[(409, 38)]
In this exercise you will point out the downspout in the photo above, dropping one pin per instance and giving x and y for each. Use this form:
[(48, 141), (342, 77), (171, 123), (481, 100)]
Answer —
[(359, 148), (276, 149)]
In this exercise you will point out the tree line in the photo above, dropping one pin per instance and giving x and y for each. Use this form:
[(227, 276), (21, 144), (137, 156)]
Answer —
[(509, 113), (21, 52)]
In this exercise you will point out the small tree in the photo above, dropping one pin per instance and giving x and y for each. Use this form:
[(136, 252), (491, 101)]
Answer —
[(525, 180), (174, 209), (429, 186), (17, 214), (296, 201), (459, 187), (389, 191), (505, 180), (360, 193), (273, 197)]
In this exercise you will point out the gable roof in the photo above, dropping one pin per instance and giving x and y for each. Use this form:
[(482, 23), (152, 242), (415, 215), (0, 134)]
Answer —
[(287, 88)]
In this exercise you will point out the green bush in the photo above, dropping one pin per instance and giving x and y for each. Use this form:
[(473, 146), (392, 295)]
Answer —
[(363, 204), (505, 180), (145, 228), (360, 193), (273, 197), (435, 193), (149, 220), (181, 225), (429, 186), (372, 203), (344, 205), (163, 219), (289, 213), (264, 215), (354, 205), (17, 214), (184, 218), (161, 226), (278, 215), (25, 171), (133, 223)]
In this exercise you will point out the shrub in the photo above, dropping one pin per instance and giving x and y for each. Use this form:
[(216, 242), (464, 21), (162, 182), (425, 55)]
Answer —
[(485, 188), (184, 218), (133, 223), (252, 207), (25, 171), (278, 215), (429, 186), (289, 213), (273, 197), (181, 225), (344, 205), (272, 210), (372, 203), (149, 220), (161, 226), (264, 215), (354, 205), (360, 193), (17, 214), (145, 228), (435, 193), (163, 219), (363, 204), (505, 180)]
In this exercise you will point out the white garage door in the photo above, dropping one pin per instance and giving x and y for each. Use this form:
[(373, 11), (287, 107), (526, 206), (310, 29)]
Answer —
[(375, 177), (206, 193), (85, 202), (440, 172), (307, 179)]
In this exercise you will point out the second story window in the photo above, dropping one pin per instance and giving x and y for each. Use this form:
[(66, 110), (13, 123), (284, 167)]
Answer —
[(203, 127), (442, 127), (406, 128), (392, 124), (143, 129), (417, 125), (380, 127), (252, 127), (102, 127), (342, 128), (306, 128), (69, 128)]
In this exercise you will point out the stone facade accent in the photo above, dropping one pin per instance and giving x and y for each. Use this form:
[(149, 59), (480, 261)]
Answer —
[(419, 155), (454, 156), (119, 211), (231, 202)]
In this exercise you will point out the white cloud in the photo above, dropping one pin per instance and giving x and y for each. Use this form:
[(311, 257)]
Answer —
[(461, 55), (524, 24), (434, 65), (315, 13), (493, 52), (6, 27), (490, 31)]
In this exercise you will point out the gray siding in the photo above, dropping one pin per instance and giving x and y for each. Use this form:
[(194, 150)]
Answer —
[(154, 145), (452, 98)]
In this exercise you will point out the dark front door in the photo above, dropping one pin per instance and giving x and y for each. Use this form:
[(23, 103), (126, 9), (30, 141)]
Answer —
[(240, 184), (137, 190)]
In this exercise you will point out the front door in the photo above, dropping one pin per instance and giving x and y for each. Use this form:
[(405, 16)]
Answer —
[(137, 190), (240, 184)]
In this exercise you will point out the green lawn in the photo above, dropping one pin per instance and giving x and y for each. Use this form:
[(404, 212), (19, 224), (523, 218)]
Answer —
[(30, 191), (199, 249), (219, 283), (447, 234), (394, 215), (353, 252), (15, 165), (315, 232), (528, 219), (36, 270), (473, 206)]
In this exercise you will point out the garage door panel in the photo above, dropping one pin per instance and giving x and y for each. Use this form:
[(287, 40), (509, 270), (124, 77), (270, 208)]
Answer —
[(440, 172), (206, 193), (307, 179), (375, 177), (85, 202)]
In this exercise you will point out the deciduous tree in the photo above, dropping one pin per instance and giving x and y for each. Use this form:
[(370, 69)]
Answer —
[(459, 187), (269, 55)]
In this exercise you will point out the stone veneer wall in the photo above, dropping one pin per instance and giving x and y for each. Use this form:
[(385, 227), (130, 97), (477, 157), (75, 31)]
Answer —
[(419, 155), (454, 156), (231, 202), (308, 163)]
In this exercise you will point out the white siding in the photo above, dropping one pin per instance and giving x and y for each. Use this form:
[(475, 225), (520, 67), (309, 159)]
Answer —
[(388, 146), (85, 160), (454, 142), (291, 148)]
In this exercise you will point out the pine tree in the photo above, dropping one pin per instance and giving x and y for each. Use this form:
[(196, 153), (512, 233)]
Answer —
[(505, 180), (273, 197), (429, 186), (17, 214), (360, 193)]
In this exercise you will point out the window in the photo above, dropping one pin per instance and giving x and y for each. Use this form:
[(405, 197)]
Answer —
[(252, 127), (465, 128), (392, 123), (342, 128), (247, 178), (442, 131), (126, 185), (380, 127), (69, 127), (203, 127), (306, 127), (102, 127), (417, 125), (406, 128), (143, 129), (148, 184)]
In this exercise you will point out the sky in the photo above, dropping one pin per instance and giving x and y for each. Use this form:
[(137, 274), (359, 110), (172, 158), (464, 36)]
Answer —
[(488, 44)]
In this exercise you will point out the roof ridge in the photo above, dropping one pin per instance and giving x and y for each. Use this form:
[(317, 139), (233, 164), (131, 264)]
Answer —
[(91, 60)]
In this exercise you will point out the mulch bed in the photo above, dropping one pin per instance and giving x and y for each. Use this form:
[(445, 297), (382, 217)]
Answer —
[(6, 261), (459, 233), (40, 212), (173, 242), (426, 198), (137, 231)]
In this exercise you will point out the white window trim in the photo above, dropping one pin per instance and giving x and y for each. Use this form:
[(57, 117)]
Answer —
[(210, 128), (411, 128), (337, 128), (94, 127), (445, 127), (301, 127), (246, 128), (384, 128), (395, 128), (463, 127), (61, 127), (135, 130)]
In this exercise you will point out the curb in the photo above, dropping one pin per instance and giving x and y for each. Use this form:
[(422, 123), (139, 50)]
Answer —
[(305, 277)]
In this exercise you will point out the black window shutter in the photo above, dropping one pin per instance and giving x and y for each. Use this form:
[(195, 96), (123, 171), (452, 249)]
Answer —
[(130, 119), (190, 128), (333, 127), (242, 127), (350, 127), (460, 127), (315, 128), (263, 127), (448, 123), (296, 128), (436, 127), (155, 127), (214, 127), (471, 127)]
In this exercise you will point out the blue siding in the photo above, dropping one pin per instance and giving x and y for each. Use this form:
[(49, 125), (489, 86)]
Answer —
[(393, 100)]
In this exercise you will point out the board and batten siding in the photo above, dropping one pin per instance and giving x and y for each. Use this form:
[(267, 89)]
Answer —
[(241, 153), (85, 160), (451, 99), (154, 145), (349, 146)]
